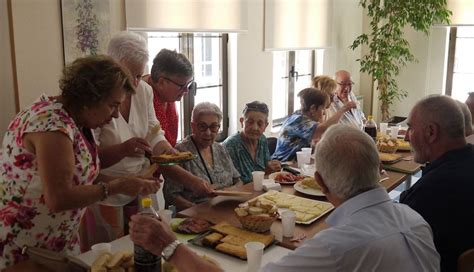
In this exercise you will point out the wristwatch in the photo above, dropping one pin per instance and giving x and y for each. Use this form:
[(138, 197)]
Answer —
[(169, 250)]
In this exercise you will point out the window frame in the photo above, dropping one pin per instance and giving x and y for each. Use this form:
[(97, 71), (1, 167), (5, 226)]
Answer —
[(291, 83), (186, 47)]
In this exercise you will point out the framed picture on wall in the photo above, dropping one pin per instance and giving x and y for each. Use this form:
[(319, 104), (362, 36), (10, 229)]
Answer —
[(86, 27)]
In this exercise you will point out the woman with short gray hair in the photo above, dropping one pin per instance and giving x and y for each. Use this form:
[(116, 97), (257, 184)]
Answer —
[(213, 164)]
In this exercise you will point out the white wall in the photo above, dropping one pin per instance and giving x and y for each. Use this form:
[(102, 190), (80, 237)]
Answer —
[(427, 75), (7, 98), (254, 67), (39, 53)]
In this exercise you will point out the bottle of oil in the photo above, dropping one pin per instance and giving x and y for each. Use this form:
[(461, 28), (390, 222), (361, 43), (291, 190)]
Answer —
[(370, 127), (146, 261)]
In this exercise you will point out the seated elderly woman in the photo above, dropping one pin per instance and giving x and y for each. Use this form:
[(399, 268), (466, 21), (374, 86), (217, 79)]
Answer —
[(49, 162), (301, 129), (212, 164), (249, 148)]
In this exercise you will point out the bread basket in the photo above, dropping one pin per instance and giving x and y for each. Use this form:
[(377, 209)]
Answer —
[(257, 223), (387, 145)]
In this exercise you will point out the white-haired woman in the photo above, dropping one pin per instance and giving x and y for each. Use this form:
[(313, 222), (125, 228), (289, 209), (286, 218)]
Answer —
[(124, 141), (212, 164)]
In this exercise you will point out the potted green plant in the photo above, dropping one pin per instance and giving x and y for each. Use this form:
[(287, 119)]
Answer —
[(389, 51)]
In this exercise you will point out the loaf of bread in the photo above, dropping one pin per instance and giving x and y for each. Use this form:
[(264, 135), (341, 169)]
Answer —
[(212, 239), (234, 250)]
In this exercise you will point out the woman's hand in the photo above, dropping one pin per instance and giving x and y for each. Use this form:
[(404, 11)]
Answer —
[(135, 147), (133, 186), (163, 147), (202, 188), (273, 166), (150, 233)]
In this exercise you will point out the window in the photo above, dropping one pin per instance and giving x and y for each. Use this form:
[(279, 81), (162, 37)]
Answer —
[(292, 72), (208, 54), (460, 66)]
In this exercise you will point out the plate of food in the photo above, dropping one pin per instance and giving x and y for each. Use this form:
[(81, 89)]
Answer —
[(285, 177), (307, 210), (308, 186), (403, 145), (230, 240), (389, 158), (173, 159)]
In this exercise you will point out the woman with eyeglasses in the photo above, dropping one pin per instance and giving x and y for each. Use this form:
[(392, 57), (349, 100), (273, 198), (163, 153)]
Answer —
[(249, 148), (171, 78), (343, 98), (213, 163)]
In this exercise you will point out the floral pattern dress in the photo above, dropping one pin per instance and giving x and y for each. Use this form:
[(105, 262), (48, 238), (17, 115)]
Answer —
[(24, 217)]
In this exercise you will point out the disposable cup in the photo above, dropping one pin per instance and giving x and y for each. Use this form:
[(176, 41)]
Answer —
[(165, 215), (302, 158), (383, 128), (257, 177), (100, 248), (277, 231), (307, 149), (394, 132), (254, 255), (288, 220)]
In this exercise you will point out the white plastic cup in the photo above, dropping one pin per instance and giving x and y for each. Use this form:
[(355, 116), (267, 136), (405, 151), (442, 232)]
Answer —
[(383, 128), (288, 220), (100, 248), (277, 231), (257, 177), (307, 149), (394, 132), (165, 215), (302, 158), (254, 256)]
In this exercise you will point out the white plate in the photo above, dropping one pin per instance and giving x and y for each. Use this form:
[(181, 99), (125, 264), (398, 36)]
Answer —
[(273, 175), (306, 190)]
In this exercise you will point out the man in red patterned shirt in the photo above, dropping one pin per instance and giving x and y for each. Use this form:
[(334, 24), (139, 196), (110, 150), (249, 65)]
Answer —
[(171, 78)]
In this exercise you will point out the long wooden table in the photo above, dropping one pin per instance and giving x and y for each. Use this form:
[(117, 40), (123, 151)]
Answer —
[(217, 211), (406, 166)]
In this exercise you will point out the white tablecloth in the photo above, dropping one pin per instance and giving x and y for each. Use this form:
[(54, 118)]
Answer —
[(228, 263)]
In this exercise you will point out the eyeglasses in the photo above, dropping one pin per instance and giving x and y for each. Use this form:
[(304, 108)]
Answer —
[(191, 86), (349, 84), (214, 127)]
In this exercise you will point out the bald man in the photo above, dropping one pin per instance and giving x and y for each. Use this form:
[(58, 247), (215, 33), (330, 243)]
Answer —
[(344, 95)]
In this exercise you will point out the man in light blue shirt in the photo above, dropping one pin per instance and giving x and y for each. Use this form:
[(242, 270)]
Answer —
[(368, 232)]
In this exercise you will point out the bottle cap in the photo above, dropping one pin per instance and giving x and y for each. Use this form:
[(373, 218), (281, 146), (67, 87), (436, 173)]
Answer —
[(146, 202), (370, 117)]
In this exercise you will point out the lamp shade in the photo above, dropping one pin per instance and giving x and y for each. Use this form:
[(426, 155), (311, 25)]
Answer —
[(298, 24), (186, 15), (463, 12)]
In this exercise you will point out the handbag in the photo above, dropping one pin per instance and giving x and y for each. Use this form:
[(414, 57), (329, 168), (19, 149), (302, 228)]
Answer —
[(41, 259)]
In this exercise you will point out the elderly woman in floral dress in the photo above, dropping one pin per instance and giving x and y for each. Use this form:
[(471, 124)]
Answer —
[(213, 164), (49, 164)]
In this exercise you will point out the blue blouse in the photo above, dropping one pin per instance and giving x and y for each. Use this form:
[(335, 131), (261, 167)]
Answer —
[(296, 133), (242, 159)]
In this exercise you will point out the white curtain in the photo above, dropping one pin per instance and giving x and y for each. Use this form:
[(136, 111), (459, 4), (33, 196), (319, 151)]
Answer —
[(186, 15)]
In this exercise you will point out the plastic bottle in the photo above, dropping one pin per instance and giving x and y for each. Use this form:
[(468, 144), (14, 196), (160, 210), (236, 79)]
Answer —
[(370, 127), (146, 261)]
